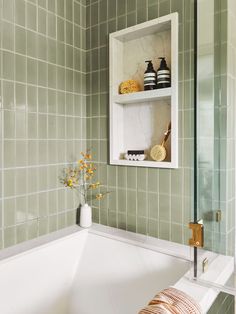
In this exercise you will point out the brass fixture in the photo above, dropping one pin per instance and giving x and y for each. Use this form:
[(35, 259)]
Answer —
[(197, 239), (218, 215), (205, 265)]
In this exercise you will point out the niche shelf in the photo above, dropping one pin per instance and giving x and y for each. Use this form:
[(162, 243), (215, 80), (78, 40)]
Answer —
[(138, 120)]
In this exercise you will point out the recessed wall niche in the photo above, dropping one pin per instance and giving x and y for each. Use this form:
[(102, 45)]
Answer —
[(139, 120)]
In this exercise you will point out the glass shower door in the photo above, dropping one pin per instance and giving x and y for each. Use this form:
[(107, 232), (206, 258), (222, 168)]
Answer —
[(214, 144)]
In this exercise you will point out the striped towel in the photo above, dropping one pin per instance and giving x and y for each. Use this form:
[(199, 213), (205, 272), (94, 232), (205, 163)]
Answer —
[(172, 301)]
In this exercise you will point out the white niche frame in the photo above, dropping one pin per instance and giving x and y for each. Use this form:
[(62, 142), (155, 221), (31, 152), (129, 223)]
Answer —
[(124, 110)]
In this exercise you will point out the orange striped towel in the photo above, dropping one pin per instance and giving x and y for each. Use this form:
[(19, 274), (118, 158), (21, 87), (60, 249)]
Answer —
[(172, 301)]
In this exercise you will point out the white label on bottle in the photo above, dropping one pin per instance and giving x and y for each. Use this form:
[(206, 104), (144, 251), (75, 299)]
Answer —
[(149, 74), (163, 72)]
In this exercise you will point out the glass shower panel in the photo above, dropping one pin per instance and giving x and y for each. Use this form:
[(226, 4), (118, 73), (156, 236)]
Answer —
[(215, 173)]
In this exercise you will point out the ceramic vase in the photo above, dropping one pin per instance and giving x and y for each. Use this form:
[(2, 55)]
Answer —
[(85, 216)]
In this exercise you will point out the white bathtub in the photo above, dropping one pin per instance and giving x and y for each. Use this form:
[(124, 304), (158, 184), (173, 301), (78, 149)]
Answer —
[(101, 270)]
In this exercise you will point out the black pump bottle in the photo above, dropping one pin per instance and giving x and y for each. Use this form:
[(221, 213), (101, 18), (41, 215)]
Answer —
[(150, 77), (163, 75)]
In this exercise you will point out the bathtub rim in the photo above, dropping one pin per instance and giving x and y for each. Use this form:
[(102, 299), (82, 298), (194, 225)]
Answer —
[(175, 250)]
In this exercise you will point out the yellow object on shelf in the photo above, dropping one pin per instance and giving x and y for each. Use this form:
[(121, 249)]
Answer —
[(130, 86)]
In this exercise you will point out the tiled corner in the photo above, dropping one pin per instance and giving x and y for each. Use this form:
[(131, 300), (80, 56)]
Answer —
[(40, 78)]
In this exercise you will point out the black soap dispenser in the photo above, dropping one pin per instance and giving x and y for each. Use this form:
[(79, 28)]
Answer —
[(163, 75), (150, 77)]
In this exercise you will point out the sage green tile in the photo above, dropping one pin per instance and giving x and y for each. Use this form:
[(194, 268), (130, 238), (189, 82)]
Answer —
[(142, 226), (122, 223), (51, 25), (102, 11), (9, 212), (20, 124), (42, 21), (9, 236), (42, 74), (32, 98), (69, 33), (152, 180), (20, 70), (164, 181), (122, 200), (94, 14), (42, 126), (131, 19), (142, 179), (8, 65), (20, 40), (42, 47), (164, 207), (121, 22), (20, 12), (8, 95), (177, 209), (176, 233), (111, 9), (31, 44), (9, 124), (103, 151), (32, 71), (131, 177), (21, 153), (21, 209), (60, 54), (131, 202), (9, 153), (153, 205), (164, 7), (9, 183), (43, 226), (42, 3), (141, 16), (153, 12), (122, 177), (32, 152), (20, 96), (32, 174), (69, 10), (131, 223), (52, 55), (142, 206), (164, 232), (60, 8), (153, 228), (21, 233), (8, 10), (52, 105), (21, 181), (112, 219), (32, 229), (112, 199), (112, 172), (69, 56), (52, 80), (60, 29), (43, 152), (7, 36), (31, 16)]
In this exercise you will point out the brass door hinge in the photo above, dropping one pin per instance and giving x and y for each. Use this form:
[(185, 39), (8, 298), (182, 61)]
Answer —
[(197, 239)]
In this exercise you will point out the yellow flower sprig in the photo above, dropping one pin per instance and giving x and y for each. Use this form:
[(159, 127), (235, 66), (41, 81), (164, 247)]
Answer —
[(79, 177)]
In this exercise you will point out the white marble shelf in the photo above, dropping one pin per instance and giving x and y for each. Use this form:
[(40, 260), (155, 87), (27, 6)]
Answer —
[(144, 163), (144, 96)]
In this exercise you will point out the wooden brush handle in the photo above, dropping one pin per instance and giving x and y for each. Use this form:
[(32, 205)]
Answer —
[(167, 133)]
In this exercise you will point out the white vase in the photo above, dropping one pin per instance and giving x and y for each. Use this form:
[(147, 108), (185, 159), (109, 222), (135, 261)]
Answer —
[(85, 216)]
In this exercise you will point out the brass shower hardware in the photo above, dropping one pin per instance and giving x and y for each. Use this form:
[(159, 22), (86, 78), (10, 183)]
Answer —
[(197, 239), (205, 265), (218, 215)]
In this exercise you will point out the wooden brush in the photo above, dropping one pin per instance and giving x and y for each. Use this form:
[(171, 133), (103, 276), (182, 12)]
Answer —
[(158, 152)]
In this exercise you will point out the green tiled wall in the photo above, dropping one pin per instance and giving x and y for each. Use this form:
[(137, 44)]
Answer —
[(42, 113), (157, 202)]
